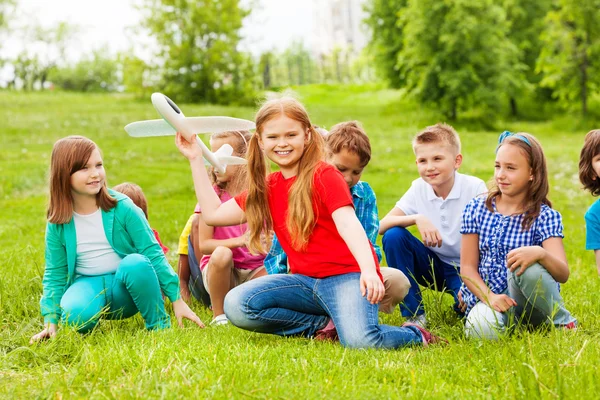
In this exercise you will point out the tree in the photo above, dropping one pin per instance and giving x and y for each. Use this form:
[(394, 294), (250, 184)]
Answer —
[(97, 72), (526, 21), (198, 53), (571, 50), (386, 37), (456, 53)]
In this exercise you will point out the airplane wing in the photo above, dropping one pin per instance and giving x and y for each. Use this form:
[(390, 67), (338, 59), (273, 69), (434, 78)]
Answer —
[(224, 155), (160, 127)]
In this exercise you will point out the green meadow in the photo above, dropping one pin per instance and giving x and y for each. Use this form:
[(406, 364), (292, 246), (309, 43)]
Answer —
[(121, 360)]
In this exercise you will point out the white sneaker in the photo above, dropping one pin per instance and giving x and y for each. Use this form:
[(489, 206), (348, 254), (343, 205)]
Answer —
[(420, 320), (219, 320)]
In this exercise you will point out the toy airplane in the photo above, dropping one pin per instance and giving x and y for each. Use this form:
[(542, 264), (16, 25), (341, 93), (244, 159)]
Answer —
[(174, 121)]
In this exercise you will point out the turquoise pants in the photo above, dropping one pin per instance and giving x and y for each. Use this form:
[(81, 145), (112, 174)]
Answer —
[(133, 287)]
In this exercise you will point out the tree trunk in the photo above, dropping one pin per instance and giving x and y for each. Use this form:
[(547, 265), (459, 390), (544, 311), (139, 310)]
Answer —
[(584, 81), (513, 107)]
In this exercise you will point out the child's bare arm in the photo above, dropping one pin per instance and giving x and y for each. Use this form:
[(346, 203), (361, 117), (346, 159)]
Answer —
[(207, 244), (429, 233), (597, 254), (469, 270), (354, 235), (214, 213)]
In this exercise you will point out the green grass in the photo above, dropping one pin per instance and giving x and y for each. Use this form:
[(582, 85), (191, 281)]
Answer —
[(121, 360)]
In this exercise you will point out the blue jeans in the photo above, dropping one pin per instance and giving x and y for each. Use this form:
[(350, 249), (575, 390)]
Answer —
[(295, 304), (133, 287), (421, 265)]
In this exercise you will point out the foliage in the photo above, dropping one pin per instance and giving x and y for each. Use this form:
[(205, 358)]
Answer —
[(121, 360), (570, 58), (44, 52), (456, 53), (198, 52), (386, 37), (526, 21), (98, 72)]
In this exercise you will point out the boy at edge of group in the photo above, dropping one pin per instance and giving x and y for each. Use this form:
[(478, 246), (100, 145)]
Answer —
[(348, 149), (434, 203)]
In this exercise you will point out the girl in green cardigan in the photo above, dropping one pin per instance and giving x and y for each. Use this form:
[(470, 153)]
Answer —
[(102, 259)]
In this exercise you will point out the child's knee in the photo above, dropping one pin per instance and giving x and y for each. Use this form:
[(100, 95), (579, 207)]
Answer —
[(531, 277), (134, 264), (81, 315), (221, 258), (395, 235), (484, 323)]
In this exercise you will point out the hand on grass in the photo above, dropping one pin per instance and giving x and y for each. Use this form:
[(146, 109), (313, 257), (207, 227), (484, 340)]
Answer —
[(182, 310), (191, 150), (371, 286), (501, 302), (47, 333), (523, 257), (429, 233)]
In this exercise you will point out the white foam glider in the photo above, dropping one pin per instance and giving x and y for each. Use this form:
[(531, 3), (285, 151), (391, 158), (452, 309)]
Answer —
[(173, 121)]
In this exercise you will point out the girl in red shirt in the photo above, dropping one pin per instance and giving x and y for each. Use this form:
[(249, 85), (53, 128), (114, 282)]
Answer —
[(335, 275)]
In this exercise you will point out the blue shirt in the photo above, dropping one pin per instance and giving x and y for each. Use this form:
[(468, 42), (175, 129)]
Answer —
[(365, 206), (498, 235), (592, 227)]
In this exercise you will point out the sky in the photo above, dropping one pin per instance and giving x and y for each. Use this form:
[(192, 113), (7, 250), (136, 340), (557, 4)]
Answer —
[(273, 24)]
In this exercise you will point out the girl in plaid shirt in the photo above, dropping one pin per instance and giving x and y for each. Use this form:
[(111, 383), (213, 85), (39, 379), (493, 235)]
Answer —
[(512, 254)]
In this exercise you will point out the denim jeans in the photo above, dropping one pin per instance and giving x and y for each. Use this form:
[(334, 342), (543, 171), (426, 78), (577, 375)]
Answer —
[(538, 302), (421, 265), (295, 304), (133, 287)]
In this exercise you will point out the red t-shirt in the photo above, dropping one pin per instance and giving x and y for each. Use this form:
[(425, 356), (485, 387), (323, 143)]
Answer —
[(326, 253)]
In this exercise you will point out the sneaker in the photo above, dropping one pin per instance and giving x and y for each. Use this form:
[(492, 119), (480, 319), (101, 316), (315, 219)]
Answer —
[(419, 320), (219, 320), (428, 337), (328, 332), (571, 326)]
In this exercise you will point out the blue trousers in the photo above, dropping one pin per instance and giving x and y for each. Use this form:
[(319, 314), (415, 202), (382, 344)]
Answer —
[(421, 265), (131, 289), (295, 304)]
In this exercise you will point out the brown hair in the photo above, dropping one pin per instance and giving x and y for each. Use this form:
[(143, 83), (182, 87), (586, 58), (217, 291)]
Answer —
[(587, 175), (537, 193), (350, 136), (438, 133), (69, 155), (300, 218), (135, 193), (240, 140)]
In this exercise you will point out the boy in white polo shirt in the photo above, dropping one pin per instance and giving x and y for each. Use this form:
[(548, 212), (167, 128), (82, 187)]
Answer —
[(434, 203)]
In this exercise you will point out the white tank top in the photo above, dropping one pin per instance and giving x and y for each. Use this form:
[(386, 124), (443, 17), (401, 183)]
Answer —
[(95, 256)]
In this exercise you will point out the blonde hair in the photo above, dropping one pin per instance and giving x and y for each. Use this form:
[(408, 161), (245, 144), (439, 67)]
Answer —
[(300, 219), (135, 193), (438, 133), (239, 179), (537, 192), (69, 155)]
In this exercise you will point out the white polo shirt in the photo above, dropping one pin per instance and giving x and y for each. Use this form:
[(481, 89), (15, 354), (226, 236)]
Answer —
[(444, 214)]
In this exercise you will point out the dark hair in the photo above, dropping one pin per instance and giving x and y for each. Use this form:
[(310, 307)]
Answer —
[(350, 136), (587, 175)]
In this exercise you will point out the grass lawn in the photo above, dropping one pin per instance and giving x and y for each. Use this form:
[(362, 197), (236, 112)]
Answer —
[(122, 360)]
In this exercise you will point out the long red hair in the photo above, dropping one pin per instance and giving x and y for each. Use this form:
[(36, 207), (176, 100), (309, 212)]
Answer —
[(301, 217), (69, 155)]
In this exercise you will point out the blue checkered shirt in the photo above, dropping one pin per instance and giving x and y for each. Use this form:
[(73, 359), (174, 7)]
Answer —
[(498, 235), (365, 206)]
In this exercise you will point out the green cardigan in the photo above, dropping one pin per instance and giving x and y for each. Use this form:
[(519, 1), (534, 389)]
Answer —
[(127, 231)]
